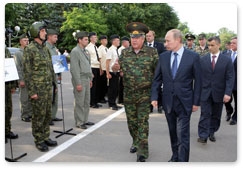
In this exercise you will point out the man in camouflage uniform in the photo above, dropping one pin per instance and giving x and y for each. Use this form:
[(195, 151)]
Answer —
[(9, 89), (80, 68), (25, 105), (202, 49), (52, 37), (39, 77), (138, 63)]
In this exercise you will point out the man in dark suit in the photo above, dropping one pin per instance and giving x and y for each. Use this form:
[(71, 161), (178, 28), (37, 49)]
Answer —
[(217, 84), (160, 49), (229, 109), (178, 71)]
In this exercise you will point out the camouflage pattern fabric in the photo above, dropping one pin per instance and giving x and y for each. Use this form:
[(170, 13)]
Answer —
[(39, 77), (200, 51), (138, 72)]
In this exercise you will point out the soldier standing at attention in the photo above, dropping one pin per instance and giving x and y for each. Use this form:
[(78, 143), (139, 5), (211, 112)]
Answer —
[(138, 63), (39, 77), (25, 105), (80, 68), (9, 90), (96, 69), (202, 49), (52, 37)]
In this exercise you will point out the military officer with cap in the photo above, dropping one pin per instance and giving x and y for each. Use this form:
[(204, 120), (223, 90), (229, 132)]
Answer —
[(52, 37), (190, 41), (39, 77), (202, 49), (138, 63), (25, 105), (80, 68)]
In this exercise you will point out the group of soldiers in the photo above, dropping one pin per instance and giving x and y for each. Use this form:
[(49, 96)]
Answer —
[(126, 73)]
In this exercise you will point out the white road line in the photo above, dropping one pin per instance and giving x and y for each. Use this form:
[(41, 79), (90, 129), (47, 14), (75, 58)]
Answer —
[(76, 138)]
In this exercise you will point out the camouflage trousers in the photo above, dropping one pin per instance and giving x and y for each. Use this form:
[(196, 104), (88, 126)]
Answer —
[(138, 125), (8, 109), (41, 116), (25, 104)]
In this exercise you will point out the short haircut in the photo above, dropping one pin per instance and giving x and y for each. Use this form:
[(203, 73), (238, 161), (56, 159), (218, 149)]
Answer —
[(215, 38), (177, 34), (235, 37)]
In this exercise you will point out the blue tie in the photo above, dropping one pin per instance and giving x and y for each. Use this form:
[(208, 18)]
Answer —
[(174, 66), (233, 56)]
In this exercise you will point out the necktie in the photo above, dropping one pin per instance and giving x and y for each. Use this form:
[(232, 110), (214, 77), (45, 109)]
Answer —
[(150, 44), (233, 56), (96, 53), (213, 62), (174, 65)]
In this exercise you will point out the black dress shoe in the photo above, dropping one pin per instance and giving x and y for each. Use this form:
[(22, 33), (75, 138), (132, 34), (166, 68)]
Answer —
[(42, 147), (202, 140), (11, 135), (114, 108), (233, 122), (26, 119), (140, 158), (212, 137), (56, 119), (173, 160), (51, 143), (133, 149), (96, 106), (51, 123), (89, 123), (227, 117)]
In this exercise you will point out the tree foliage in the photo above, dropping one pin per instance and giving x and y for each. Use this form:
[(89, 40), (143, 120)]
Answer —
[(102, 18)]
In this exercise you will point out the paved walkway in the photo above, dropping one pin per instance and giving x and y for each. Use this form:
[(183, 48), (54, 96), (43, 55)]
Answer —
[(109, 139)]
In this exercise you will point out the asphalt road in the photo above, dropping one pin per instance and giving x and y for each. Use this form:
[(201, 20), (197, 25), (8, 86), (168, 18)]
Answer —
[(109, 139)]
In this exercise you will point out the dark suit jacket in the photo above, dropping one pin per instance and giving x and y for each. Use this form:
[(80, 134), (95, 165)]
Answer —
[(218, 82), (186, 85), (235, 70), (160, 47)]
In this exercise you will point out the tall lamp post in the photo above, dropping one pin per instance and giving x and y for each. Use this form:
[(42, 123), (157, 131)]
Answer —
[(10, 34)]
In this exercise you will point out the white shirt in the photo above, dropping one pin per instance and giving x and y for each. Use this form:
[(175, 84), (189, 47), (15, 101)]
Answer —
[(93, 57), (102, 51), (217, 56), (112, 55), (179, 56), (152, 44), (120, 50)]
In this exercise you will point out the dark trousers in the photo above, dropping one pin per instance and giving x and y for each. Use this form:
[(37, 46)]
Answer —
[(179, 128), (210, 118), (103, 86), (229, 108), (113, 89), (94, 91)]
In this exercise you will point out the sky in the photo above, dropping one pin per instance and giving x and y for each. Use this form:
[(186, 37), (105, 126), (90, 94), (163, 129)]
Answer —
[(207, 17)]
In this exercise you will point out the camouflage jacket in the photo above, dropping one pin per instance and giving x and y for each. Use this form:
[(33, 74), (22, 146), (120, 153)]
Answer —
[(201, 51), (138, 70), (37, 67)]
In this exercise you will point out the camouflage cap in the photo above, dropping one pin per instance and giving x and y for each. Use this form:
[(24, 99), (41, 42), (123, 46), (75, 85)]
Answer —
[(137, 29), (190, 36), (52, 32), (82, 34), (201, 36), (23, 36)]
